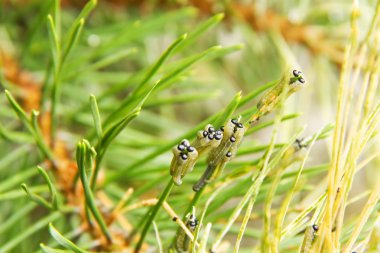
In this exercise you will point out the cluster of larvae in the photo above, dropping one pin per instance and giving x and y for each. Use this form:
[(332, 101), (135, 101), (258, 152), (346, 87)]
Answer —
[(221, 145), (233, 133)]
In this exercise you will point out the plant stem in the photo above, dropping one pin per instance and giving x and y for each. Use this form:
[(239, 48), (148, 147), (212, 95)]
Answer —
[(83, 153), (94, 176), (152, 214), (194, 201)]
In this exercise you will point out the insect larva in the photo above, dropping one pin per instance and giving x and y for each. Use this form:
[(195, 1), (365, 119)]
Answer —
[(300, 143), (207, 176), (293, 154), (207, 139), (233, 132), (310, 235), (271, 98), (183, 241), (184, 158)]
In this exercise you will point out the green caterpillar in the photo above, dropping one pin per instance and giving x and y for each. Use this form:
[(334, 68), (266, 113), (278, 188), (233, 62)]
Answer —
[(183, 241), (184, 158)]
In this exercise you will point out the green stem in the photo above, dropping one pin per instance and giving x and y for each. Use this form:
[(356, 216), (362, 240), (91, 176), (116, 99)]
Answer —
[(90, 203), (56, 93), (82, 154), (152, 214), (99, 159), (194, 202)]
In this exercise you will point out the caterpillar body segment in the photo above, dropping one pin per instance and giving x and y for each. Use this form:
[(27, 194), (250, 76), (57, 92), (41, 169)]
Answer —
[(229, 128), (219, 170), (310, 235), (184, 159), (293, 153), (204, 178), (175, 160), (217, 155)]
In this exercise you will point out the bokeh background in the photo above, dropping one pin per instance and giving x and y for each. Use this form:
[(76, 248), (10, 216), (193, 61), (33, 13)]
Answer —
[(120, 40)]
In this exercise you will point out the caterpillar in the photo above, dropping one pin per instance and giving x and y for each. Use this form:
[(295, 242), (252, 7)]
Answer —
[(183, 241), (207, 139), (310, 235), (271, 98), (184, 158)]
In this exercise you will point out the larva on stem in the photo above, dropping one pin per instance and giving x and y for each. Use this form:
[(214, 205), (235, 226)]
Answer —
[(183, 242), (289, 83), (310, 234), (207, 139), (184, 159)]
